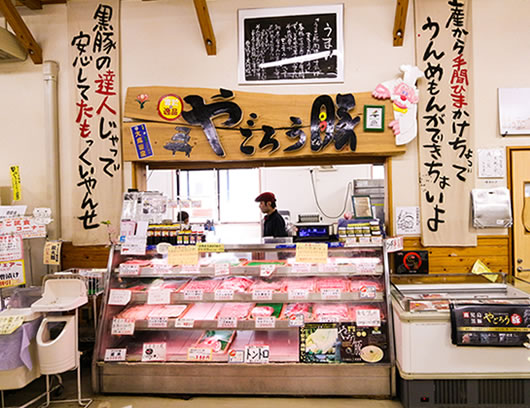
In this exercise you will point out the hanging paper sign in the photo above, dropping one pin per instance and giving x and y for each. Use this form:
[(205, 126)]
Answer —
[(23, 226), (224, 294), (129, 269), (12, 273), (52, 253), (262, 294), (266, 270), (222, 269), (8, 324), (394, 244), (122, 327), (159, 297), (183, 255), (11, 248), (257, 354), (227, 322), (15, 183), (368, 317), (10, 211), (157, 322), (210, 247), (119, 297), (311, 253), (154, 352), (200, 354), (115, 354), (265, 322)]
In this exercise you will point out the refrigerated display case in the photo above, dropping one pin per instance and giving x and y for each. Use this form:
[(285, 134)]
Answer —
[(475, 357), (247, 320)]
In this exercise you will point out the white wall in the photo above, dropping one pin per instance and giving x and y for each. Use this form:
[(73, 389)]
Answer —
[(162, 45)]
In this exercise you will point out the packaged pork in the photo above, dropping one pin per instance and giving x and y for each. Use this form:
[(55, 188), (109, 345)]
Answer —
[(169, 311), (266, 310), (136, 312), (291, 309), (218, 340), (239, 284), (308, 284), (323, 312), (332, 283), (363, 285), (238, 310), (275, 285), (206, 285)]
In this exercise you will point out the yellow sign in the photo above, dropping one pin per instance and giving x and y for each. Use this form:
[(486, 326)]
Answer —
[(52, 253), (479, 268), (206, 247), (12, 273), (15, 183), (8, 324), (311, 253), (170, 107), (183, 255)]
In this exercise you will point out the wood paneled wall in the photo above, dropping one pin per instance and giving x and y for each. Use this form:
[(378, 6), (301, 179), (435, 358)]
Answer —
[(93, 256)]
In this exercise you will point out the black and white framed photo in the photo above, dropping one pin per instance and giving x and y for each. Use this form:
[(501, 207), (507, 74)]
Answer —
[(374, 118), (362, 206), (291, 45)]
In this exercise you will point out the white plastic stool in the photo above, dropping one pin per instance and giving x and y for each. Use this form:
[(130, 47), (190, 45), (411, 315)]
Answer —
[(61, 354)]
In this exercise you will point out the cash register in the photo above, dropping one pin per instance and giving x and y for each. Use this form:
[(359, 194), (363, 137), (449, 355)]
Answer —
[(309, 228)]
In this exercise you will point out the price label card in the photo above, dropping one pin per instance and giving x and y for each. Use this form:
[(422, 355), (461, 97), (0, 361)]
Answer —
[(11, 248), (262, 294), (227, 322), (193, 294), (222, 269), (190, 269), (224, 294), (134, 246), (119, 297), (157, 322), (115, 354), (257, 354), (301, 268), (328, 268), (368, 317), (266, 270), (159, 297), (129, 269), (367, 292), (236, 356), (200, 354), (161, 269), (297, 294), (311, 253), (183, 255), (331, 293), (350, 242), (154, 352), (122, 327), (330, 319), (265, 322), (210, 247), (184, 323), (377, 240), (366, 267), (394, 244), (296, 320)]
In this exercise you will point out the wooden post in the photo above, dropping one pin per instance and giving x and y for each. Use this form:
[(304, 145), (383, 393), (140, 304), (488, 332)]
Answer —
[(400, 21), (206, 26)]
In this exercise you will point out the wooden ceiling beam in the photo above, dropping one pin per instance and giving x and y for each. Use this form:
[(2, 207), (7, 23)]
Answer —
[(400, 20), (21, 30), (31, 4), (206, 26)]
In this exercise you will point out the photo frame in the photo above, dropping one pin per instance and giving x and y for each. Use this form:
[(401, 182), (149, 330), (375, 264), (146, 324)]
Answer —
[(268, 55), (362, 206), (374, 118)]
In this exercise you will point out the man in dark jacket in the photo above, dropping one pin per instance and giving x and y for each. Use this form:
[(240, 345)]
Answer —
[(274, 225)]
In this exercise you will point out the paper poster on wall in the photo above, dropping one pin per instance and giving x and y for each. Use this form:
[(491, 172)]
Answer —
[(408, 221), (491, 163), (12, 273), (11, 248), (514, 111)]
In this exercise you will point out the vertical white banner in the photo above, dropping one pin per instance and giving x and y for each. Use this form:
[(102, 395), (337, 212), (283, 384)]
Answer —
[(93, 38), (445, 116)]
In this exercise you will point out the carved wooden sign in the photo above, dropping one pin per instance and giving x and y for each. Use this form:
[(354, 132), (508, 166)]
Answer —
[(213, 125)]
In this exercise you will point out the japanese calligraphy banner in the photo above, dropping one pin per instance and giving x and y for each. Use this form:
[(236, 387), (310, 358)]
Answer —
[(215, 125), (93, 37), (446, 145)]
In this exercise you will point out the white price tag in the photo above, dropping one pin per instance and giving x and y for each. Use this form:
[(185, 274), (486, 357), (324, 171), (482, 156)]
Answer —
[(350, 242), (134, 245), (222, 269), (394, 244), (236, 356), (224, 294), (367, 292), (331, 293), (377, 240), (265, 322), (199, 354), (297, 294), (129, 269), (184, 323), (161, 269), (301, 268), (154, 352), (159, 297), (266, 270), (115, 354), (262, 294), (364, 240), (119, 297), (190, 269), (365, 267), (330, 319), (296, 320), (193, 294), (227, 323), (257, 354), (368, 317), (157, 322), (328, 268), (122, 327)]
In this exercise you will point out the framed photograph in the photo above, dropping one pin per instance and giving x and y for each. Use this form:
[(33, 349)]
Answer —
[(362, 206), (374, 118), (291, 45)]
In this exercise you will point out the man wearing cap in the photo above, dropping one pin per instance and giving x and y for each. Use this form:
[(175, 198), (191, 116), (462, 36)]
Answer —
[(274, 225)]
